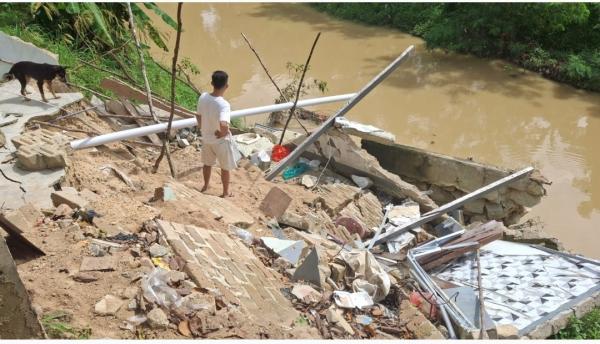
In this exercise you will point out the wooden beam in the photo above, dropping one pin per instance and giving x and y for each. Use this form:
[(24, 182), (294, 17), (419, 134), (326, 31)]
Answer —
[(295, 154), (457, 203)]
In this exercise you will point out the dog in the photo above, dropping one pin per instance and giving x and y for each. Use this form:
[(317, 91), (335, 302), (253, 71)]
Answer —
[(43, 73)]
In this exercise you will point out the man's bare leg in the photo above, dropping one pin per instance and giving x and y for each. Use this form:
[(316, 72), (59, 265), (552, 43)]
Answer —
[(206, 172), (225, 180)]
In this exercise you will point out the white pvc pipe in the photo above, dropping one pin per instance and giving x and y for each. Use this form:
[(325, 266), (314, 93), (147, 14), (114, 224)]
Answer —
[(190, 122)]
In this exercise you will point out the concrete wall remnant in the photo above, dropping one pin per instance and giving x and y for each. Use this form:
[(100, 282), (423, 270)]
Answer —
[(15, 50), (447, 178)]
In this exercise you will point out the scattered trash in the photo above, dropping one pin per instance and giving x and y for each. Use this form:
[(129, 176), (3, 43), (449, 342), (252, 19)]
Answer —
[(279, 152), (261, 159), (308, 181), (359, 299), (363, 265), (160, 262), (336, 317), (157, 290), (294, 170), (243, 234), (362, 182), (363, 319)]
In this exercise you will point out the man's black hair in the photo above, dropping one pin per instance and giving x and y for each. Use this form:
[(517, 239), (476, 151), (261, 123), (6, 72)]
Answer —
[(219, 79)]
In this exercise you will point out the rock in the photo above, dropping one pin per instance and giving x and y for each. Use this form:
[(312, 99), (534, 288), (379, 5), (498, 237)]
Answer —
[(105, 263), (294, 220), (85, 277), (197, 301), (417, 323), (494, 211), (129, 292), (157, 319), (69, 196), (157, 250), (164, 193), (308, 181), (523, 198), (63, 210), (507, 332), (306, 293), (146, 262), (338, 272), (189, 284), (176, 276), (109, 305), (132, 305), (275, 202), (336, 317), (184, 328), (475, 206)]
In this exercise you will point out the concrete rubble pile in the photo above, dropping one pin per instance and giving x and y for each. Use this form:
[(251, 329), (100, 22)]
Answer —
[(121, 252)]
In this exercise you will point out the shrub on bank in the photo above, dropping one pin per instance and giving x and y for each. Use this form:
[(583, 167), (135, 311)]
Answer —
[(559, 40)]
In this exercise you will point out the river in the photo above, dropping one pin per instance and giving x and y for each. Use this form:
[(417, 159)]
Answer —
[(453, 104)]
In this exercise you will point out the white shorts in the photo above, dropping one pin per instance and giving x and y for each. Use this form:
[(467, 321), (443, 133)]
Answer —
[(223, 151)]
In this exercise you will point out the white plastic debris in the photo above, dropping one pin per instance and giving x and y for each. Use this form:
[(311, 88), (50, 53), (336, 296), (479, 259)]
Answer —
[(352, 300), (157, 290)]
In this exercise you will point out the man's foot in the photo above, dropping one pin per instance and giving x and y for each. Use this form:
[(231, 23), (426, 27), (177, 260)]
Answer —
[(204, 188), (56, 97), (227, 195)]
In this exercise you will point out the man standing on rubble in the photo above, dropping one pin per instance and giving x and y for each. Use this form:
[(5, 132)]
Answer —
[(217, 144)]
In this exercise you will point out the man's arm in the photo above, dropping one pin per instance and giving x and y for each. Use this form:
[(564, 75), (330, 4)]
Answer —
[(223, 129)]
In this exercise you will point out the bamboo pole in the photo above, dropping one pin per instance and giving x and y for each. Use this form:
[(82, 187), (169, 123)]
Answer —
[(293, 109), (142, 63), (165, 147), (270, 77)]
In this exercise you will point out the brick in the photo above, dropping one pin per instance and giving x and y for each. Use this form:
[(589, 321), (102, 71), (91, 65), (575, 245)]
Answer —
[(69, 196), (275, 202), (41, 149), (198, 276), (182, 250), (194, 233)]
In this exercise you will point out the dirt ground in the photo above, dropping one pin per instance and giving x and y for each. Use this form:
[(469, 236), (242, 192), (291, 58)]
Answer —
[(51, 279)]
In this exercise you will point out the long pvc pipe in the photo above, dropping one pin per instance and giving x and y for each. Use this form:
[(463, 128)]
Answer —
[(190, 122)]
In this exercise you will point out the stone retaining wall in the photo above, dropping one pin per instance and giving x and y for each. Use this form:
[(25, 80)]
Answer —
[(447, 178)]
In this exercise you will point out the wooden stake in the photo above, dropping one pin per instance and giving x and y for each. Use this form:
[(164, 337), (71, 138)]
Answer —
[(142, 63), (293, 109), (165, 147), (480, 287), (271, 78)]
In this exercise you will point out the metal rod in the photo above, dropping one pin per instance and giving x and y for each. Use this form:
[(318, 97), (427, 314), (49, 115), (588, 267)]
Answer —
[(190, 122), (435, 213), (295, 154)]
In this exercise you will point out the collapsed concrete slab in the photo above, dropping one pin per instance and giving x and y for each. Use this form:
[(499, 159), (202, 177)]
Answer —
[(14, 50), (41, 149), (18, 319), (31, 186), (215, 261), (23, 223)]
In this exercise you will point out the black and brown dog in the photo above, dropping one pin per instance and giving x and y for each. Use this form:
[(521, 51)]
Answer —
[(43, 73)]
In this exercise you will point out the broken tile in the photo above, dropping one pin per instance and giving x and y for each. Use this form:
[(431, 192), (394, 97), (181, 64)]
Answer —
[(275, 202), (287, 249)]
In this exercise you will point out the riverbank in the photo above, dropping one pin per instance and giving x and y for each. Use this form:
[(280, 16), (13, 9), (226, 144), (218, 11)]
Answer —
[(559, 41)]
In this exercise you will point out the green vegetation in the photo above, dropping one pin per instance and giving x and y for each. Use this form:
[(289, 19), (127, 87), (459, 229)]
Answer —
[(587, 327), (56, 324), (81, 31), (559, 40)]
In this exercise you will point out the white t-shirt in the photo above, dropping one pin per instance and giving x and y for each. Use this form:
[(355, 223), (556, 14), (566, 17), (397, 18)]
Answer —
[(212, 110)]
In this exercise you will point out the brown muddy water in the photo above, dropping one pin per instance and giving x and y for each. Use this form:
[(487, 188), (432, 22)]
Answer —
[(452, 104)]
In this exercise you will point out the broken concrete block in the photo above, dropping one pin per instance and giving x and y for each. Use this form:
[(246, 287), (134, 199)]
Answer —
[(275, 202), (475, 206), (507, 332), (23, 223), (308, 181), (198, 301), (69, 196), (306, 293), (41, 149), (157, 319), (157, 250), (85, 277), (312, 270), (336, 318), (417, 323), (289, 250), (336, 197), (105, 263), (523, 198), (338, 272), (109, 305), (294, 220), (164, 193), (494, 211), (63, 210)]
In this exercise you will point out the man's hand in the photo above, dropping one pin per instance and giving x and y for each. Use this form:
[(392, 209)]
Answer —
[(223, 130), (218, 134)]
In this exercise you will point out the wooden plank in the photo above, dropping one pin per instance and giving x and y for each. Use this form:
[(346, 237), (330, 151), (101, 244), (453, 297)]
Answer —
[(128, 92), (135, 115), (457, 203), (483, 234), (295, 154)]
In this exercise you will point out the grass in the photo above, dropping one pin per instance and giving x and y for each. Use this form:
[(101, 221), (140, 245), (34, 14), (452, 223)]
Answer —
[(57, 326), (588, 327), (80, 74)]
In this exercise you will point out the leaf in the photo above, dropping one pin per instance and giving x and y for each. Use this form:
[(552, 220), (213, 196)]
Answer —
[(155, 37), (73, 8), (165, 17), (99, 22)]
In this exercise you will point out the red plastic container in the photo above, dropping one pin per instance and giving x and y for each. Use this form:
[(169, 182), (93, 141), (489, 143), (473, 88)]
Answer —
[(279, 152)]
